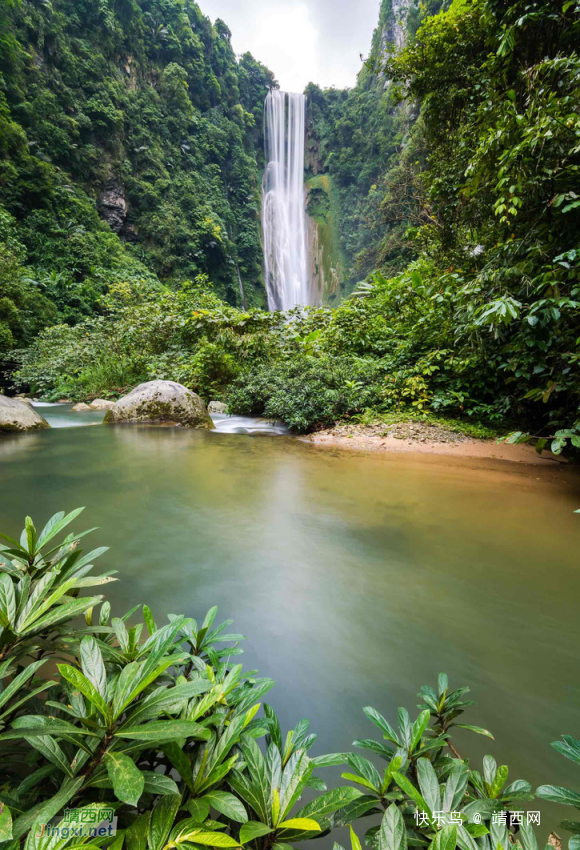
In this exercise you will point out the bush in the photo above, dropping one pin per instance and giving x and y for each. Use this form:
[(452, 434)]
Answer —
[(307, 392), (156, 722)]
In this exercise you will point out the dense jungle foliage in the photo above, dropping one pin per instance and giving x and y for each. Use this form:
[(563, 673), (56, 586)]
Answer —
[(160, 724), (455, 164), (130, 148)]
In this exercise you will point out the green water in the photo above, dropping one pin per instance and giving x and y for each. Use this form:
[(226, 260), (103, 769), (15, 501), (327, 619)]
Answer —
[(356, 578)]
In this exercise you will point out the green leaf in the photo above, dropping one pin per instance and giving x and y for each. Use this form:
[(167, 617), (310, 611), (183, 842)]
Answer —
[(304, 824), (93, 664), (164, 730), (329, 803), (149, 620), (392, 834), (477, 729), (198, 809), (419, 727), (157, 783), (210, 839), (227, 804), (409, 789), (45, 811), (82, 684), (162, 820), (253, 829), (5, 823), (128, 781), (446, 839), (557, 794), (7, 601)]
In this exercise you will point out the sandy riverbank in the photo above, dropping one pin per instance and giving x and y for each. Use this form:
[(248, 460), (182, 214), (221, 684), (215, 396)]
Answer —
[(427, 439)]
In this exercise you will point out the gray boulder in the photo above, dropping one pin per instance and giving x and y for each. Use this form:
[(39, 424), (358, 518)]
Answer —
[(17, 415), (217, 407), (101, 404), (81, 406), (161, 401)]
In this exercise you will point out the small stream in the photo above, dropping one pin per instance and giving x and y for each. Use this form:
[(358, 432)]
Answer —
[(60, 415)]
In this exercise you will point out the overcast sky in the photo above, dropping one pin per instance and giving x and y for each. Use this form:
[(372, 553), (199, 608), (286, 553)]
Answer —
[(301, 41)]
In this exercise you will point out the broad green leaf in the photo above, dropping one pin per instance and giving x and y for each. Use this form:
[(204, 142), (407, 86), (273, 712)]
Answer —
[(128, 781), (385, 727), (392, 833), (330, 802), (253, 829), (44, 812), (557, 794), (446, 839), (87, 689), (429, 784), (409, 789), (303, 824), (477, 729), (56, 524), (419, 727), (210, 839), (198, 809), (5, 823), (157, 783), (7, 601), (164, 730), (354, 839), (162, 818), (227, 804), (93, 665)]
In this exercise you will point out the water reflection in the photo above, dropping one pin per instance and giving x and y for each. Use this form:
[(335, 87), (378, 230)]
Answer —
[(357, 578)]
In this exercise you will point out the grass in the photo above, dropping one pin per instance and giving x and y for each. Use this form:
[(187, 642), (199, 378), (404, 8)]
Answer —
[(459, 426)]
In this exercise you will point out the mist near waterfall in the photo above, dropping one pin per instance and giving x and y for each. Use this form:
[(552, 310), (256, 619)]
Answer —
[(283, 207)]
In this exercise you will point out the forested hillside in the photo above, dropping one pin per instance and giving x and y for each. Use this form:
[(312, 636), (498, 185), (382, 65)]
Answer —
[(448, 176), (130, 148)]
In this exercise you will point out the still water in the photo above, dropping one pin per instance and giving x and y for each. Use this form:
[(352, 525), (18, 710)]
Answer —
[(356, 578)]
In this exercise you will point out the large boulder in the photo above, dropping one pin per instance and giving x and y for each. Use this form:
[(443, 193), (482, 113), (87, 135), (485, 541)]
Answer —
[(161, 401), (217, 407), (17, 415)]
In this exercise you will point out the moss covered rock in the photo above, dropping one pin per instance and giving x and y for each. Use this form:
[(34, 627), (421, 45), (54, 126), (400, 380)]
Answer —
[(17, 415), (161, 402)]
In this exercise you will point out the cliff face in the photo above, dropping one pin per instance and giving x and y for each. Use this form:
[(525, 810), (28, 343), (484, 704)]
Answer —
[(132, 120), (355, 139)]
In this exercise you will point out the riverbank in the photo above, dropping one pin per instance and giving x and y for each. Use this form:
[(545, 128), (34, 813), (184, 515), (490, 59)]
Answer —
[(426, 438)]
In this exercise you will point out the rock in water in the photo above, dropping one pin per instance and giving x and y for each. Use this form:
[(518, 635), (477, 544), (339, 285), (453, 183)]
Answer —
[(17, 415), (161, 401), (81, 406), (101, 404), (217, 407)]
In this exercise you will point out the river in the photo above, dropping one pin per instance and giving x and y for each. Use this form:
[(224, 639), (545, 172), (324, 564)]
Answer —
[(357, 578)]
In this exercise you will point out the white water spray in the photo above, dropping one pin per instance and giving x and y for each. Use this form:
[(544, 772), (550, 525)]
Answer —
[(283, 213)]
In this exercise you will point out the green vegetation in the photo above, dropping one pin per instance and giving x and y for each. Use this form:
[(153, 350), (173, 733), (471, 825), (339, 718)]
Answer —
[(157, 722), (130, 149), (447, 178)]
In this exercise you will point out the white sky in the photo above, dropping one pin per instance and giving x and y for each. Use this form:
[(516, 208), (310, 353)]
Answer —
[(301, 41)]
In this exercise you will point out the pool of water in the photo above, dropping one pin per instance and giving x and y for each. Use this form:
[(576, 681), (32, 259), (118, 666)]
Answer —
[(357, 578)]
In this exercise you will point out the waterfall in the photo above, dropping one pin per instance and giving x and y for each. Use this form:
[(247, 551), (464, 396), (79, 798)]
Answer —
[(283, 213)]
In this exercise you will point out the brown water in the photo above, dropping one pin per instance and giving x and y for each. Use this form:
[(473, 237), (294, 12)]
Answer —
[(356, 578)]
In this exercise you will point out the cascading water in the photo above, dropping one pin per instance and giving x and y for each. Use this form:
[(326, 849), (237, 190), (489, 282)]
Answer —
[(283, 212)]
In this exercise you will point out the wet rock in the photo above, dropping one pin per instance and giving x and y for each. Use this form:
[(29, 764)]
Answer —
[(161, 402), (113, 205), (81, 406), (217, 407), (101, 404), (17, 415)]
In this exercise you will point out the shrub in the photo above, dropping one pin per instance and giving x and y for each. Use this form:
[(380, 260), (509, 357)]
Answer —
[(307, 392)]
